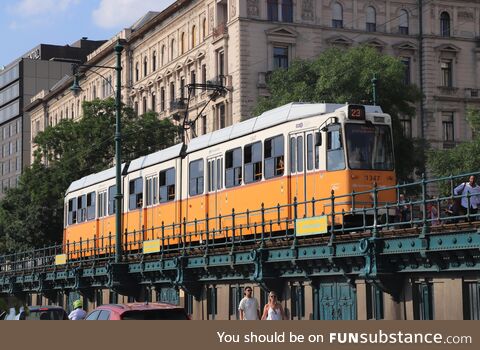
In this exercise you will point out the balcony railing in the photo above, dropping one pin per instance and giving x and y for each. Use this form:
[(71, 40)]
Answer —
[(220, 31), (178, 105)]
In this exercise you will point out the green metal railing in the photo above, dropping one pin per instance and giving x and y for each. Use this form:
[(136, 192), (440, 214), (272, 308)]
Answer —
[(263, 227)]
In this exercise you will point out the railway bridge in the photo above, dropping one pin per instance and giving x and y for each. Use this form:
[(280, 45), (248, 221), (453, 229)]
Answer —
[(424, 265)]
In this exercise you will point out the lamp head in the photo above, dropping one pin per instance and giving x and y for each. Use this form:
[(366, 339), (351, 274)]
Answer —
[(75, 88)]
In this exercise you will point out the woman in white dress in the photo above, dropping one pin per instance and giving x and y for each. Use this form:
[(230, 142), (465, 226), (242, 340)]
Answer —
[(273, 310)]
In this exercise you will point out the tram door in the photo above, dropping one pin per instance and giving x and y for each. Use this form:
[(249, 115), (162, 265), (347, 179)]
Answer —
[(337, 301), (302, 167), (214, 185)]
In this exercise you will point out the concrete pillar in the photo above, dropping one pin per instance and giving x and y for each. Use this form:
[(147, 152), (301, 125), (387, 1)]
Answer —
[(445, 291), (361, 300)]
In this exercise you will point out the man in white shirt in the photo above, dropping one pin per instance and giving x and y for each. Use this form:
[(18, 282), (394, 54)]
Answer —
[(248, 307), (473, 189)]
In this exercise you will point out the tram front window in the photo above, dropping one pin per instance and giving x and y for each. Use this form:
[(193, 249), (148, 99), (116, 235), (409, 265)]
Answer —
[(369, 147)]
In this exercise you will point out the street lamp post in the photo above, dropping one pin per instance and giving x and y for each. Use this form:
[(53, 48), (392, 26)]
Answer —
[(118, 141)]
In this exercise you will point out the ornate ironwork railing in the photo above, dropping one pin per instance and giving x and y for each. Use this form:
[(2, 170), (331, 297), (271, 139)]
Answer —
[(416, 214)]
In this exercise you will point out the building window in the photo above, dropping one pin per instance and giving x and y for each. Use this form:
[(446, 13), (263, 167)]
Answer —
[(154, 61), (374, 302), (297, 302), (135, 108), (167, 185), (182, 44), (445, 24), (406, 126), (471, 300), (135, 199), (280, 57), (172, 91), (446, 67), (403, 22), (221, 65), (272, 10), (194, 36), (204, 75), (204, 125), (423, 301), (196, 177), (189, 304), (287, 11), (162, 99), (204, 29), (407, 70), (182, 88), (212, 302), (447, 126), (154, 102), (236, 295), (172, 49), (337, 15), (221, 116), (137, 73), (371, 19), (145, 67)]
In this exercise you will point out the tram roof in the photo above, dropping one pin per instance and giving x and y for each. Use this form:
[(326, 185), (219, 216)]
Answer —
[(93, 179), (280, 115)]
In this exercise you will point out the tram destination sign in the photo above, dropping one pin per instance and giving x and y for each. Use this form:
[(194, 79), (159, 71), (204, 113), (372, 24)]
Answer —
[(311, 226)]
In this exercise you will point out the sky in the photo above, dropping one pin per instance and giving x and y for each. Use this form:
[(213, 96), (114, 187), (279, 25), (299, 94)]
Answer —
[(26, 23)]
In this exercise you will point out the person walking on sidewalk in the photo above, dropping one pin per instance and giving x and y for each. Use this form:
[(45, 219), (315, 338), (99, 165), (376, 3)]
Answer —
[(248, 306)]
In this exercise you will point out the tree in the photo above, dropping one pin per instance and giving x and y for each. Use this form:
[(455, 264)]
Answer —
[(464, 158), (339, 76), (31, 215)]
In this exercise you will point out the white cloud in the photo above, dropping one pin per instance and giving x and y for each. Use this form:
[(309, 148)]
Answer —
[(30, 8), (123, 13)]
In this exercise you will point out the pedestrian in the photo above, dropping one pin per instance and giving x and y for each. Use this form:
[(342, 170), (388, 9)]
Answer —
[(78, 313), (402, 211), (464, 189), (434, 212), (273, 310), (248, 307)]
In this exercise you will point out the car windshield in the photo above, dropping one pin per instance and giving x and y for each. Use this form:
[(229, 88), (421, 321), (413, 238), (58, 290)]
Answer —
[(369, 147), (159, 314)]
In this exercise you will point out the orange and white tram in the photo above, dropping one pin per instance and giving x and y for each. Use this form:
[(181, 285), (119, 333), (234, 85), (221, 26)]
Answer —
[(295, 152)]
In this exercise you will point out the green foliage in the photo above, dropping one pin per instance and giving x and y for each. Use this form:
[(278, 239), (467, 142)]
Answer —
[(464, 158), (31, 215), (340, 76)]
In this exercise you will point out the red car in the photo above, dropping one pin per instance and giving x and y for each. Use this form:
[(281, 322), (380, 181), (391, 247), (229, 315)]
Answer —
[(138, 311)]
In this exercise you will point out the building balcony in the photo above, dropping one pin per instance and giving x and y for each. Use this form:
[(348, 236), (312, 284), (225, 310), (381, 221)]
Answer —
[(178, 105), (220, 31), (448, 91)]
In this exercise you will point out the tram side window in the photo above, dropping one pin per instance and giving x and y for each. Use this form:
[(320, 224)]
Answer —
[(135, 199), (317, 150), (81, 208), (300, 153), (72, 211), (195, 174), (274, 157), (253, 162), (111, 200), (335, 154), (233, 168), (151, 188), (167, 185), (102, 204), (293, 155), (310, 152), (91, 206)]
